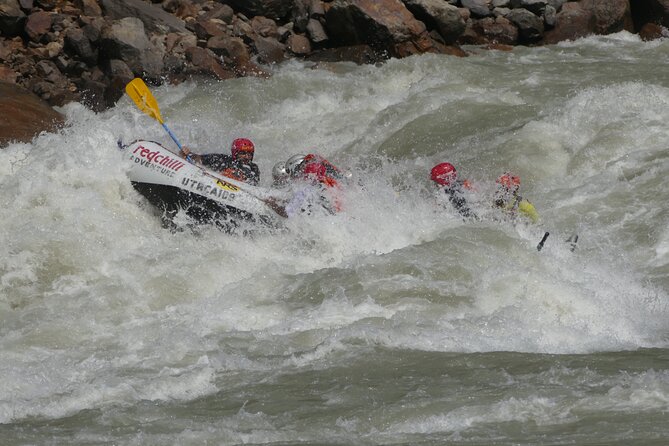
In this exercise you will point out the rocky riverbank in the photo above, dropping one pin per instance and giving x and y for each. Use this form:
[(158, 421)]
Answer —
[(87, 50)]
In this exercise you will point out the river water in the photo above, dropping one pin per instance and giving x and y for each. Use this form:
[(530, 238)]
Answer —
[(393, 322)]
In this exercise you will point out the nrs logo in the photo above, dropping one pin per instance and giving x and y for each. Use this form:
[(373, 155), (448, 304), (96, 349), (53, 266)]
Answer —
[(226, 186)]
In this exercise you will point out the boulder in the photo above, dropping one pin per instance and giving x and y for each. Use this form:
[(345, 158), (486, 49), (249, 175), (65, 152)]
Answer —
[(37, 25), (206, 28), (231, 49), (264, 27), (205, 62), (530, 26), (11, 18), (178, 43), (478, 8), (497, 31), (269, 50), (77, 43), (557, 4), (24, 115), (610, 16), (274, 9), (154, 18), (653, 31), (89, 8), (550, 16), (8, 75), (436, 14), (47, 5), (536, 7), (386, 25), (126, 40), (220, 12), (316, 9), (316, 32), (298, 45), (573, 22), (300, 15)]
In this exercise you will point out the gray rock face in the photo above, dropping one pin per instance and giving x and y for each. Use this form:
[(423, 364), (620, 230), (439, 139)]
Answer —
[(437, 14), (534, 6), (154, 18), (530, 26), (126, 40), (479, 8)]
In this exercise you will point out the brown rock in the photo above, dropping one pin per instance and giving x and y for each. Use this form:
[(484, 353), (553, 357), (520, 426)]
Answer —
[(573, 22), (264, 27), (181, 8), (242, 29), (386, 25), (178, 43), (231, 48), (89, 7), (9, 47), (221, 12), (8, 75), (497, 31), (298, 45), (24, 115), (653, 31), (37, 24), (611, 15), (204, 29), (269, 50), (204, 62)]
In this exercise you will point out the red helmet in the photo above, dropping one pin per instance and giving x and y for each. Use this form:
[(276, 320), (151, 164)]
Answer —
[(241, 145), (509, 180), (315, 170), (444, 174)]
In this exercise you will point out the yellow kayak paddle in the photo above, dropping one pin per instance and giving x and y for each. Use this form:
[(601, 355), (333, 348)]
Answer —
[(142, 96)]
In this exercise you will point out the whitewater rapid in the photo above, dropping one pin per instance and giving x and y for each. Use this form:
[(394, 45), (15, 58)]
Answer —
[(391, 322)]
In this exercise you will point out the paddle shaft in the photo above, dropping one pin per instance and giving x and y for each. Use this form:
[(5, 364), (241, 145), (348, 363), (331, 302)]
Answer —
[(174, 138)]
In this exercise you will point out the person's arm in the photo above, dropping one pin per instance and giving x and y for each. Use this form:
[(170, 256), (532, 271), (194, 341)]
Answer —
[(185, 151), (528, 210), (460, 203), (254, 178)]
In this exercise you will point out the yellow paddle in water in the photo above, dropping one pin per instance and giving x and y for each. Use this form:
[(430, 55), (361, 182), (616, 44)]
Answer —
[(142, 96)]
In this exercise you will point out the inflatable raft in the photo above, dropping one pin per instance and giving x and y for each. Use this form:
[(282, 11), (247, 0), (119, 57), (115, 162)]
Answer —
[(172, 184)]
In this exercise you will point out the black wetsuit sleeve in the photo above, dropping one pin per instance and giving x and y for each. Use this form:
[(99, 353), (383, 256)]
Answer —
[(216, 161), (459, 203), (254, 174)]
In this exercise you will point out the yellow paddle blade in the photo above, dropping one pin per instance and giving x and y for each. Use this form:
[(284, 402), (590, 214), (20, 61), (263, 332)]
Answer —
[(141, 95)]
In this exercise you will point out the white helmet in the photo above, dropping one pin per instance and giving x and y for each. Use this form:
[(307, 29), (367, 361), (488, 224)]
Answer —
[(279, 174), (293, 164)]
